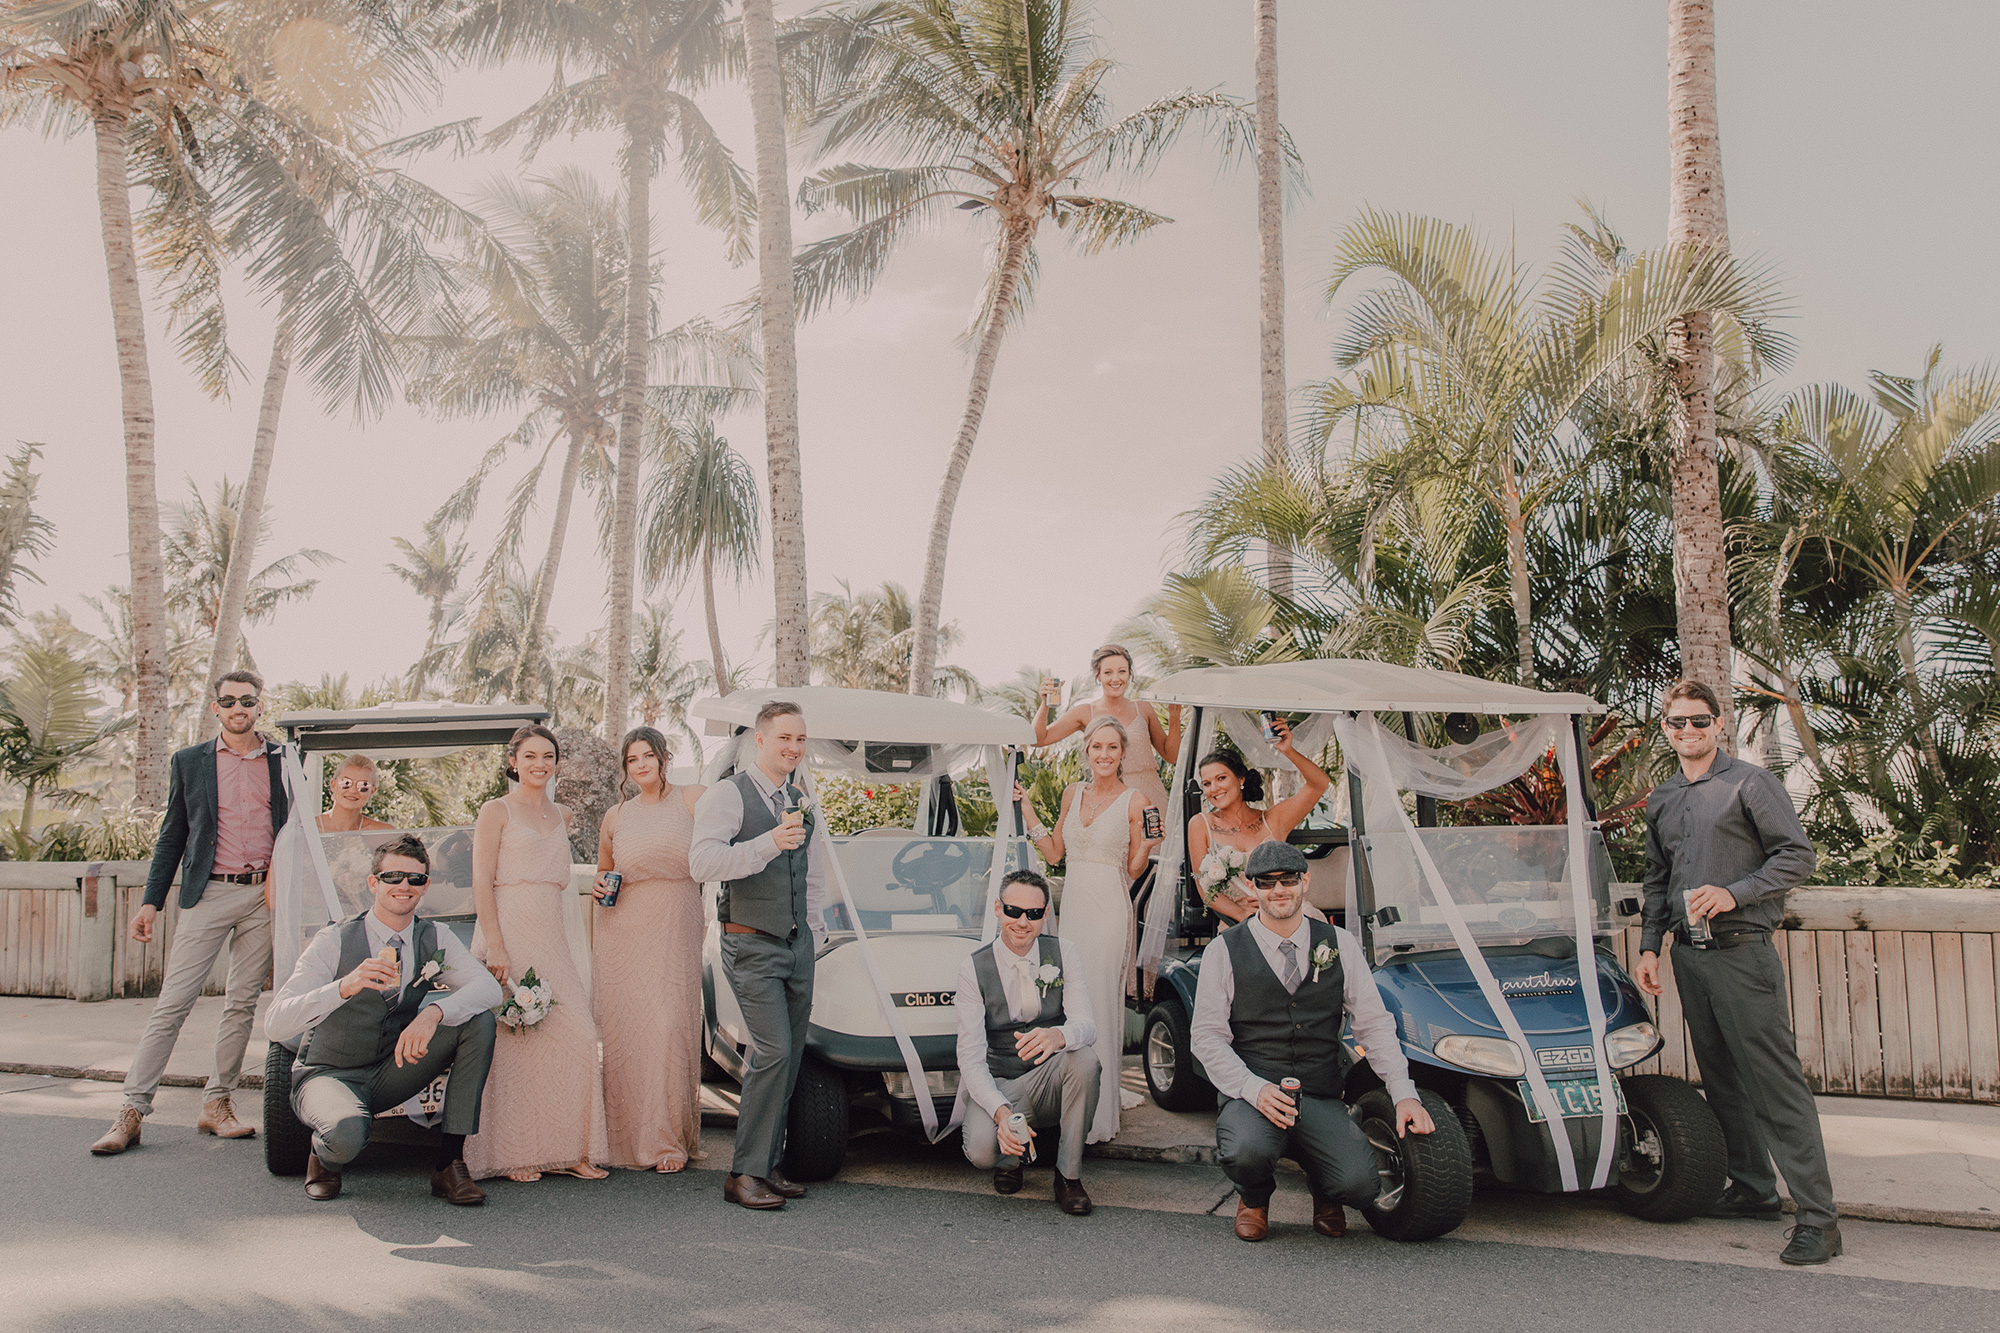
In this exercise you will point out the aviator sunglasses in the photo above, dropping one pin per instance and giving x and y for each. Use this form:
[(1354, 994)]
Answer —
[(1700, 721), (1032, 913), (417, 878)]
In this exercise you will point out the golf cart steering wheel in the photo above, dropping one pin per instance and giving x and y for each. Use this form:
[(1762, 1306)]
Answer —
[(931, 864)]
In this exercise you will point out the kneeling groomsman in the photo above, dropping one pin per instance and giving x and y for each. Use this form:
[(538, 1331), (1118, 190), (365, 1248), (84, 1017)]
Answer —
[(1025, 1033), (1269, 1006)]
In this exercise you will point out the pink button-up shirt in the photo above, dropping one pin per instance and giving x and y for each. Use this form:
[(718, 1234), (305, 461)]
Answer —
[(243, 810)]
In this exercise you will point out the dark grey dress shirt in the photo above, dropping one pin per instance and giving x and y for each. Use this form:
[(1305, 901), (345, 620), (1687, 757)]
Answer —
[(1733, 827)]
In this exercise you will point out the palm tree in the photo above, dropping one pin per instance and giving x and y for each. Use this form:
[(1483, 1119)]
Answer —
[(995, 107), (777, 310), (25, 535), (1271, 267), (703, 501), (663, 682), (644, 59), (432, 569), (49, 718), (867, 641), (1696, 217), (199, 550)]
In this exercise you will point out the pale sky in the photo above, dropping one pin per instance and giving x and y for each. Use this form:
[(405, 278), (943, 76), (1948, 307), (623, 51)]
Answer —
[(1858, 149)]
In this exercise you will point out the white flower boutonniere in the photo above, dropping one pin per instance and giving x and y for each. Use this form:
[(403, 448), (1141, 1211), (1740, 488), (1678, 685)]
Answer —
[(1047, 975), (1323, 955), (432, 969)]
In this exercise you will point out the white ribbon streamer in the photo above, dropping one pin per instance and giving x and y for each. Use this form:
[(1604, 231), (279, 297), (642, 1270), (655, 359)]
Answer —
[(1593, 993)]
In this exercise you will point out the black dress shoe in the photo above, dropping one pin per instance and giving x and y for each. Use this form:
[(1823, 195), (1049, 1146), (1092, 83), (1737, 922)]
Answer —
[(751, 1192), (1812, 1245), (1737, 1201), (1007, 1179), (1071, 1196), (322, 1181), (789, 1189)]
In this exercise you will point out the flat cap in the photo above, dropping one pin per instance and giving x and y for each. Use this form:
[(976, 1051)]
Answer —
[(1274, 858)]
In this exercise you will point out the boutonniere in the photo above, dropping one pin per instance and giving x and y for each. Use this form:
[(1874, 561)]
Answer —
[(1323, 955), (432, 970), (1047, 975)]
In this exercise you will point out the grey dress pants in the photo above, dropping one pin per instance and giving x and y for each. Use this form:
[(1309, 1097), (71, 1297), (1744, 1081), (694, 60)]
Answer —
[(339, 1105), (1324, 1141), (1740, 1026), (1061, 1091), (773, 983)]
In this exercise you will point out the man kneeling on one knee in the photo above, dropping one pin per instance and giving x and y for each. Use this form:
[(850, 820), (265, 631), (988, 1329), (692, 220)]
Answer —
[(385, 1003), (1025, 1033), (1268, 1008)]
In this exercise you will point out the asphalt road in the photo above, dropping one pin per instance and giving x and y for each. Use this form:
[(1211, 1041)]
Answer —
[(191, 1233)]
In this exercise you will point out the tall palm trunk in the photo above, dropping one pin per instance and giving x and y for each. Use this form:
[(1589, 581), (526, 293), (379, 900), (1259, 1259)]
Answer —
[(714, 627), (631, 425), (545, 582), (1271, 269), (152, 737), (778, 315), (930, 602), (1518, 586), (1906, 649), (1697, 215), (250, 514)]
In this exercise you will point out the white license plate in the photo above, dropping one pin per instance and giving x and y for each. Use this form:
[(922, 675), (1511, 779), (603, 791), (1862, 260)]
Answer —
[(1575, 1097)]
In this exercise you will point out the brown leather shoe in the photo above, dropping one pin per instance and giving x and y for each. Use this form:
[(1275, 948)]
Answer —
[(783, 1188), (751, 1192), (219, 1118), (1007, 1179), (322, 1181), (1071, 1196), (1329, 1219), (123, 1134), (1252, 1223), (454, 1184)]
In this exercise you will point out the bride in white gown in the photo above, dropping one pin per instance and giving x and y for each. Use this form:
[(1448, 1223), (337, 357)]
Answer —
[(1101, 840)]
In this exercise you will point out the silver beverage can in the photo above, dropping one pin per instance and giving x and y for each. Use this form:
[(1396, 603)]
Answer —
[(1289, 1086), (613, 881), (1017, 1125), (1270, 728), (1700, 932)]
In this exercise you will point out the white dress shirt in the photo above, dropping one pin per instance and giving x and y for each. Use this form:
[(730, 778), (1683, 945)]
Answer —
[(712, 857), (1209, 1035), (313, 990), (1024, 998)]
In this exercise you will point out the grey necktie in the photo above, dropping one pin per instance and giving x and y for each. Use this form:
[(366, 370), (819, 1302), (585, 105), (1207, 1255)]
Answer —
[(1290, 952), (396, 943)]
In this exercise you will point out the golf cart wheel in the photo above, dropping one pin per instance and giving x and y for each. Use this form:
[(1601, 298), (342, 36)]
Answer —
[(1170, 1073), (1676, 1160), (287, 1142), (816, 1126), (1426, 1178)]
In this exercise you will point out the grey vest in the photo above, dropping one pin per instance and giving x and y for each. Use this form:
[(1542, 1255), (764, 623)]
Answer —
[(774, 899), (362, 1033), (1280, 1035), (1001, 1057)]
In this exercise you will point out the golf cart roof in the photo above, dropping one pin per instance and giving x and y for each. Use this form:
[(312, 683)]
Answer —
[(838, 714), (1341, 685), (412, 729)]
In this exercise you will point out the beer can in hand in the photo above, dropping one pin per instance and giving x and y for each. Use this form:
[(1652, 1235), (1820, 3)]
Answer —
[(613, 881), (1289, 1086), (1151, 822), (1700, 932), (1017, 1125), (1270, 727)]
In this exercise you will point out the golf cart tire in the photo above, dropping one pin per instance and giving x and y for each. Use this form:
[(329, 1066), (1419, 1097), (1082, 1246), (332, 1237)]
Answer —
[(1184, 1089), (1694, 1160), (1436, 1170), (287, 1142), (816, 1125)]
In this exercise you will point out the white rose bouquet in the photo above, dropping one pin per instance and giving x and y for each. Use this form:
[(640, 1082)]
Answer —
[(1218, 870), (529, 1004)]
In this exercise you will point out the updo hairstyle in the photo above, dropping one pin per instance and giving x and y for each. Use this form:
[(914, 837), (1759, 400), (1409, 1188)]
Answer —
[(1102, 721), (1252, 780), (1110, 650), (520, 735)]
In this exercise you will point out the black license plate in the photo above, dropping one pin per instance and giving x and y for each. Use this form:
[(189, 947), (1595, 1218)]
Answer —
[(1575, 1097), (923, 999)]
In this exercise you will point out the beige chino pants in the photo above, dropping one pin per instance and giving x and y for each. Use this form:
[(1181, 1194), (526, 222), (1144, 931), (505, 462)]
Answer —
[(228, 914)]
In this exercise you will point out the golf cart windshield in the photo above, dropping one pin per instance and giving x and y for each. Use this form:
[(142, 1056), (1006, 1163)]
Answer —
[(1510, 881), (348, 856), (905, 882)]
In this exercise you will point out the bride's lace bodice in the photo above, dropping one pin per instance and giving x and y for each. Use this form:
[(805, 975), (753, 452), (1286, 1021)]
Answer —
[(1107, 839)]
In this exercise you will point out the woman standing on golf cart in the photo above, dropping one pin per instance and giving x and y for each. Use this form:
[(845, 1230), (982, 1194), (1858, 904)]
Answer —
[(646, 966), (1101, 840), (1111, 665), (1228, 785), (354, 785)]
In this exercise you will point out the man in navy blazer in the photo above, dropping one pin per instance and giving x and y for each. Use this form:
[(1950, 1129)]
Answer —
[(225, 805)]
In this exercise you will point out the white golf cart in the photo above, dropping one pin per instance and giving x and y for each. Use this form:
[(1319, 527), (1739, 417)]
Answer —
[(905, 906), (318, 878)]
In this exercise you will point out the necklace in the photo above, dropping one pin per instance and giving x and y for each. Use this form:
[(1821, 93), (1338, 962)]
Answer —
[(1090, 815), (1244, 827)]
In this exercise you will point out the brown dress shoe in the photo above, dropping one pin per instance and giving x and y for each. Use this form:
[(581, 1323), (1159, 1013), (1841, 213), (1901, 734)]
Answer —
[(751, 1192), (454, 1184), (123, 1134), (1252, 1223), (322, 1181), (783, 1188), (219, 1118), (1329, 1219), (1007, 1179), (1071, 1196)]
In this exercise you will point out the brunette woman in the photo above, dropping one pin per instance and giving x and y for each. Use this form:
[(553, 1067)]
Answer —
[(1111, 665), (1228, 786)]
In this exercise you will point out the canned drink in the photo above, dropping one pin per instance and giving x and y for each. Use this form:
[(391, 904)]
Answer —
[(1699, 932), (1151, 821), (1017, 1125), (1289, 1086), (613, 881), (1270, 727)]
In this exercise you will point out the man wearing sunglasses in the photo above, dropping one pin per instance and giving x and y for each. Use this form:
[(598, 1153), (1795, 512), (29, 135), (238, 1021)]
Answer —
[(1025, 1038), (1723, 847), (385, 1002), (225, 805), (1268, 1008)]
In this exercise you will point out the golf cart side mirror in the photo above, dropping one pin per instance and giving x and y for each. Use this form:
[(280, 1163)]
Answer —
[(1628, 906), (1387, 916)]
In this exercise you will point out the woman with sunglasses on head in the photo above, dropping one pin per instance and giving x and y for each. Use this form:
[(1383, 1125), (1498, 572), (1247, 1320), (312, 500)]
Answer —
[(646, 965), (1101, 840), (1111, 667), (544, 1105), (1228, 785), (354, 785)]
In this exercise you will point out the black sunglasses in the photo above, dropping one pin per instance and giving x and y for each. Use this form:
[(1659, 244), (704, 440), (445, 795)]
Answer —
[(1288, 879), (232, 701), (1700, 721), (417, 878), (1032, 913)]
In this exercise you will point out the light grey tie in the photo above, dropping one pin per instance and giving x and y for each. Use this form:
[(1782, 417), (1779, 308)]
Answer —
[(396, 943), (1290, 952)]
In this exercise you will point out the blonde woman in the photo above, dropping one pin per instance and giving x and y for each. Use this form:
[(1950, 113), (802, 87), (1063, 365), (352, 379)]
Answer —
[(354, 785), (1111, 667)]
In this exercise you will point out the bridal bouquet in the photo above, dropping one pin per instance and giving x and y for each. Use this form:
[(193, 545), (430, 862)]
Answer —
[(1217, 871), (529, 1004)]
